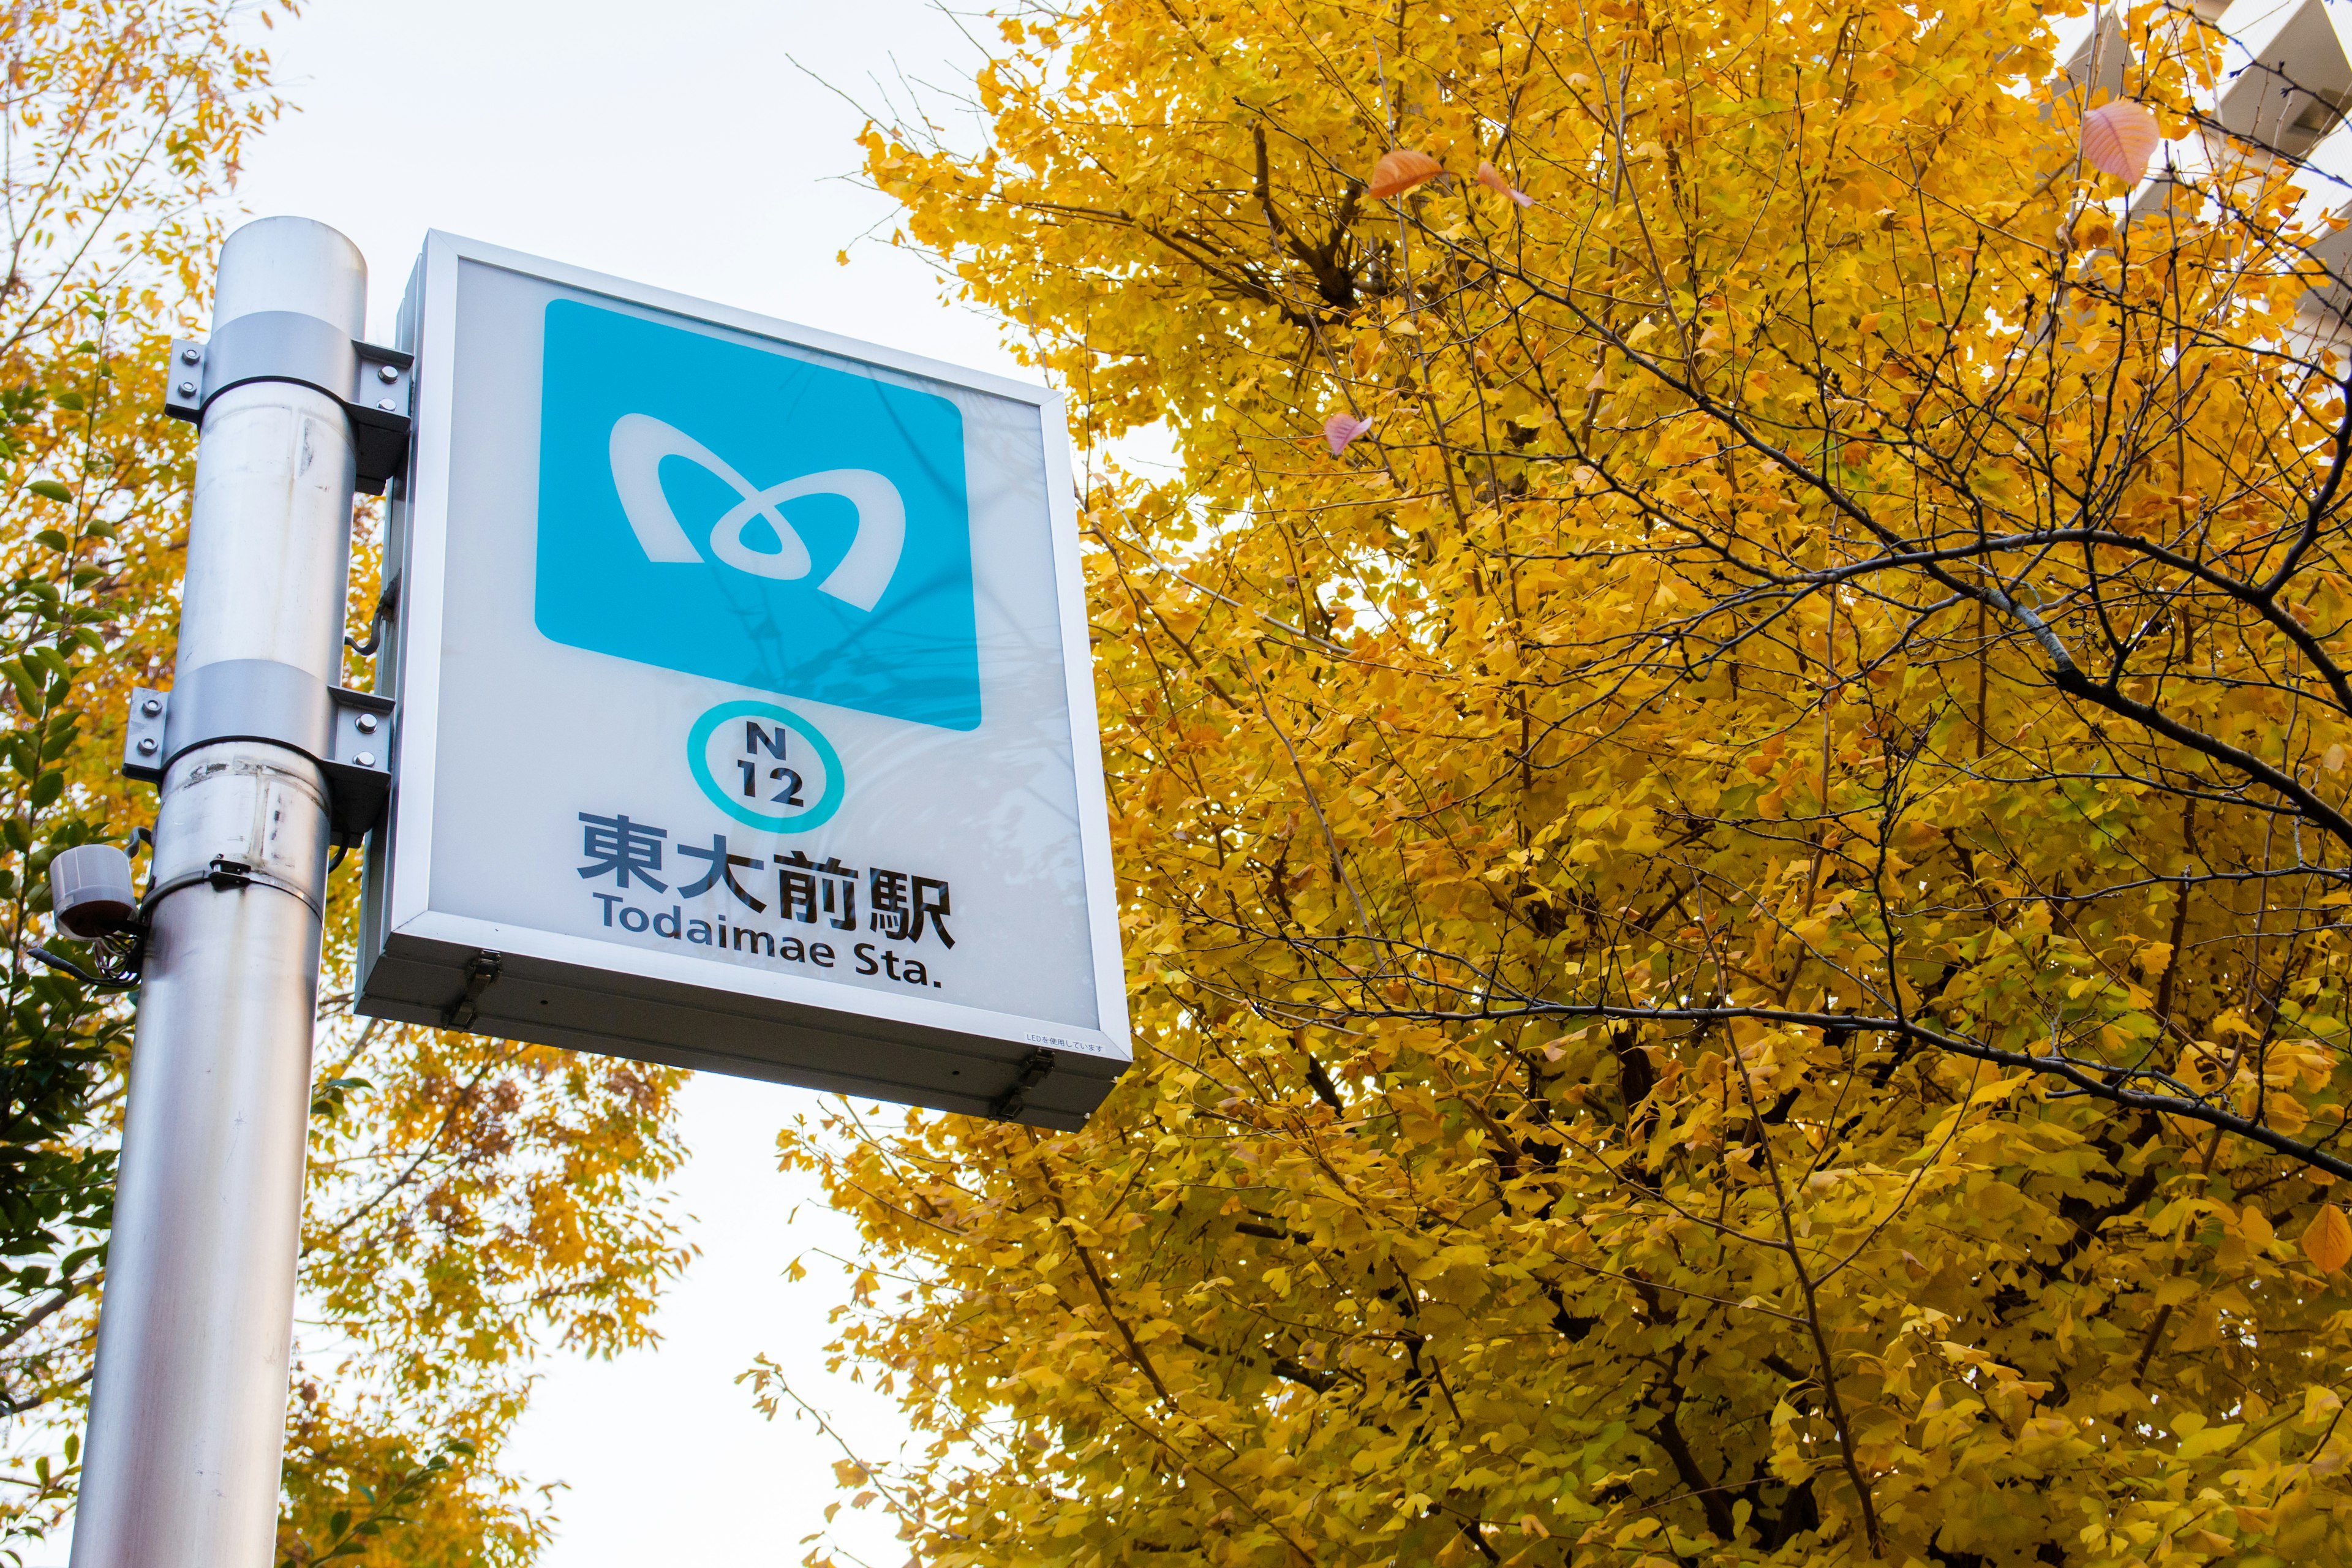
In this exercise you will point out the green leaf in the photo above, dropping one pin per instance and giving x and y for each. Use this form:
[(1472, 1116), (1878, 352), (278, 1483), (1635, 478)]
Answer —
[(50, 489), (54, 540), (71, 400), (46, 788), (339, 1521)]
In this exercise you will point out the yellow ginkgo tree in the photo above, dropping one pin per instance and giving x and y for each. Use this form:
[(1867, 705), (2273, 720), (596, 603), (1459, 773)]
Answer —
[(1728, 768)]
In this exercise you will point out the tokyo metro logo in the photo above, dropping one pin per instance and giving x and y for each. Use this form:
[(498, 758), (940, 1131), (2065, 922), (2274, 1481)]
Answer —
[(639, 444), (726, 510)]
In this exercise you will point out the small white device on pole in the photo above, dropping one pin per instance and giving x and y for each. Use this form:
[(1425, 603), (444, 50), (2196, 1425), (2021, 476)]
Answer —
[(735, 711)]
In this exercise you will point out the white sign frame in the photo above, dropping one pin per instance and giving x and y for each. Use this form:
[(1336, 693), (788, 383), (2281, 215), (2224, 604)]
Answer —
[(1046, 1072)]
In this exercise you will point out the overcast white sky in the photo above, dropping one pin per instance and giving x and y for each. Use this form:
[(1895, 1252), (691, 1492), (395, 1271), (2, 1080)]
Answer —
[(672, 143)]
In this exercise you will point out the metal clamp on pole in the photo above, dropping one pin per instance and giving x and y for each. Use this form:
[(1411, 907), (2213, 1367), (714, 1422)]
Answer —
[(348, 733), (373, 383)]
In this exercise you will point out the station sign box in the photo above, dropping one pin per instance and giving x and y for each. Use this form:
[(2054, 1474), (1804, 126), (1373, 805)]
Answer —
[(745, 716)]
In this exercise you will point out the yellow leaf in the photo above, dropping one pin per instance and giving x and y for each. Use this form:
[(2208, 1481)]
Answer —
[(2327, 1240), (2319, 1403)]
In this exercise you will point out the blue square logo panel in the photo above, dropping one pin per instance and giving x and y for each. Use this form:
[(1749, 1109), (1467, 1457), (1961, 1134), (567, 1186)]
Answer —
[(717, 508)]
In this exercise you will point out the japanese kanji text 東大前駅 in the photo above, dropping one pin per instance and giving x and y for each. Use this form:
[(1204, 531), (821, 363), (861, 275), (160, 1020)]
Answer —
[(899, 905)]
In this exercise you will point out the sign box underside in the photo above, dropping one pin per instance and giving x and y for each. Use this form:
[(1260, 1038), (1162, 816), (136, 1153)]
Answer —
[(546, 1002)]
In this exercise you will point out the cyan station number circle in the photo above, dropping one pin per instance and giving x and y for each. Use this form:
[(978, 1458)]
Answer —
[(698, 761)]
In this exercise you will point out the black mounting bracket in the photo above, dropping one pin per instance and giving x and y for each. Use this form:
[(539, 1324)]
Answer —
[(1011, 1102), (375, 385), (480, 971), (348, 733)]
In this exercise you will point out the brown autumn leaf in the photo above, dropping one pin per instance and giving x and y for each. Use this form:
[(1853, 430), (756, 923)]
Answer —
[(1401, 171)]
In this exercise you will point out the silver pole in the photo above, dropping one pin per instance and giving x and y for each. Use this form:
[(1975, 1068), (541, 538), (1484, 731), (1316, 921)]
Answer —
[(187, 1417)]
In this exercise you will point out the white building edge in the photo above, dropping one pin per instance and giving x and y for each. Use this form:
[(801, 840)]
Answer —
[(2284, 97)]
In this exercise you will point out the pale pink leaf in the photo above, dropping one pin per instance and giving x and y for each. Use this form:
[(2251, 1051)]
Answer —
[(1342, 428), (1492, 178), (2118, 137)]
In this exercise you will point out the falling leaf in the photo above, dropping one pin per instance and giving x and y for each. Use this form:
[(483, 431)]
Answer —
[(1492, 178), (2333, 760), (2328, 1240), (1399, 171), (1342, 428), (2118, 137)]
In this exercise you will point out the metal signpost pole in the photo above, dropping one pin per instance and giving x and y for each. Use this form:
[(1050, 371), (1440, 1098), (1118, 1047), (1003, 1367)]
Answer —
[(186, 1422)]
